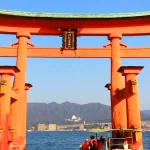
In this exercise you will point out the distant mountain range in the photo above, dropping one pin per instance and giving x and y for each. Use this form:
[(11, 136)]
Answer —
[(146, 112), (57, 113)]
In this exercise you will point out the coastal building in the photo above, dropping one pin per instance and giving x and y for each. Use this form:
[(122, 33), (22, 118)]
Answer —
[(74, 119), (52, 127), (81, 127), (41, 127), (58, 128)]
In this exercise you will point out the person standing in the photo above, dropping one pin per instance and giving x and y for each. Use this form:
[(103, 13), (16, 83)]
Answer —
[(93, 143), (100, 143), (85, 145)]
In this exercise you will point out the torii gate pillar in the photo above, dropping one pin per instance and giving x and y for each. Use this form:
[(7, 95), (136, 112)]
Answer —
[(6, 96), (19, 84), (133, 108), (118, 107), (27, 87)]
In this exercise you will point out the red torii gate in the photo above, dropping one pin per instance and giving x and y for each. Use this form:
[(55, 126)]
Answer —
[(124, 97)]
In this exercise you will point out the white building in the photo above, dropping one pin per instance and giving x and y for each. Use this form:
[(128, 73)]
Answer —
[(74, 118)]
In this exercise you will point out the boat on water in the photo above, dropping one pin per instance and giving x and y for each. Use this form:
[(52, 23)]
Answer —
[(112, 143)]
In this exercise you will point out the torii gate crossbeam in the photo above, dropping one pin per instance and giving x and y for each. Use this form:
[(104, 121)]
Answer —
[(47, 52)]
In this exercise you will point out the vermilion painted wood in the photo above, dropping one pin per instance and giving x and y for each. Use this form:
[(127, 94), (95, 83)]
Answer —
[(122, 110), (55, 52), (87, 27), (132, 103)]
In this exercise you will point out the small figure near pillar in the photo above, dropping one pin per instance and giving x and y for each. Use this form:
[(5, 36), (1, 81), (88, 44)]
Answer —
[(133, 109)]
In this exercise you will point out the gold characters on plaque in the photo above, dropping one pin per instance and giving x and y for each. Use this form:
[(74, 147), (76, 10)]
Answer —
[(69, 39)]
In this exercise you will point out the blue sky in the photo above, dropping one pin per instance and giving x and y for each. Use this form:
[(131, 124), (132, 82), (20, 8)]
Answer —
[(77, 80)]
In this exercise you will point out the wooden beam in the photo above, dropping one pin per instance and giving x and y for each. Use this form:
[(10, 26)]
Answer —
[(87, 27), (100, 31), (125, 30), (45, 52)]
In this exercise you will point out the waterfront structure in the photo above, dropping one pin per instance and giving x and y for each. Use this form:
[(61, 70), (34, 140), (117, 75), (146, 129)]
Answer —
[(81, 127), (13, 99), (52, 127), (41, 127), (74, 119)]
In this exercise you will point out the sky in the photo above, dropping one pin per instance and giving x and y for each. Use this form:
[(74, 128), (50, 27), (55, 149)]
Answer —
[(77, 80)]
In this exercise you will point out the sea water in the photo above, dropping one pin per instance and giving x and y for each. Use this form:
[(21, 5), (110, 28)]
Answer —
[(65, 140)]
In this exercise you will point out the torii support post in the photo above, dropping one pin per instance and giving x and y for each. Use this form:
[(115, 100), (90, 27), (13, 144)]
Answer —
[(19, 84), (133, 109), (27, 87), (118, 107), (108, 86), (6, 93)]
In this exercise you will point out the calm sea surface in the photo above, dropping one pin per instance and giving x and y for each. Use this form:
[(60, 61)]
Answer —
[(65, 140)]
